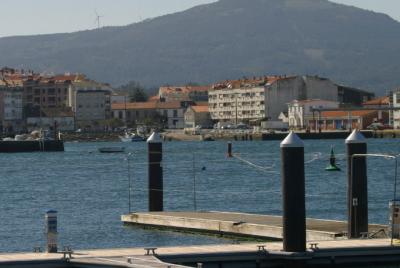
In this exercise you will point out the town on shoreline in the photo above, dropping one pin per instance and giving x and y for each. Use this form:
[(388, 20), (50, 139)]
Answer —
[(83, 109)]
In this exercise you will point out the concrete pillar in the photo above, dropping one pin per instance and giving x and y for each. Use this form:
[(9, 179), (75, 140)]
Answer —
[(229, 150), (293, 193), (51, 231), (155, 172), (357, 194)]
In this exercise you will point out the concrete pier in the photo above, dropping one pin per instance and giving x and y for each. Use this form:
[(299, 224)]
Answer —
[(327, 254), (240, 224)]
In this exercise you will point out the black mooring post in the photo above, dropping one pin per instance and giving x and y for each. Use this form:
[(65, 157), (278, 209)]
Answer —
[(293, 193), (156, 190), (357, 193), (229, 154)]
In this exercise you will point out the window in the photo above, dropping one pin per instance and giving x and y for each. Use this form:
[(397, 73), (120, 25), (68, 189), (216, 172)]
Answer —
[(398, 98), (175, 113)]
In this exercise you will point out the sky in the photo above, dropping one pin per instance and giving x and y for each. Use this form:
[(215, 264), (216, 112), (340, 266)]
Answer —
[(31, 17)]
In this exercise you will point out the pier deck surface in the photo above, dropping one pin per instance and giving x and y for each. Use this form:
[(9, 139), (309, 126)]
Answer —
[(264, 226), (139, 259)]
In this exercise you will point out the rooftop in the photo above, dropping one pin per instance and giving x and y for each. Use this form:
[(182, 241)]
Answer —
[(250, 82), (311, 100), (149, 105), (200, 109), (336, 114), (183, 90), (378, 101)]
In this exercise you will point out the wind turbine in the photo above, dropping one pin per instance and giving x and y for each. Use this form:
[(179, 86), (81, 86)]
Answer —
[(97, 20)]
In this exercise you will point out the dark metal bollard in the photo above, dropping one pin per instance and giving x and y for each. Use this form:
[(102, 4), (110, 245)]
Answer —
[(293, 193), (357, 193), (229, 150), (156, 190), (51, 231)]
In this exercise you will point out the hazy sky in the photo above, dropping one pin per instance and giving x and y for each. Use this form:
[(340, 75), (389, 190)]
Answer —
[(26, 17)]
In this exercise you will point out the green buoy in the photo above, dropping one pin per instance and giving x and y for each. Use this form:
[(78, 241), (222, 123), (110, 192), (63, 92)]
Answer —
[(332, 163)]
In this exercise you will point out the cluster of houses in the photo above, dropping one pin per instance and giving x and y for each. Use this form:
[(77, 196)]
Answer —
[(72, 101), (30, 101)]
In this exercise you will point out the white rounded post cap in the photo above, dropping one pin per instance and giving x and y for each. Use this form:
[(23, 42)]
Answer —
[(292, 141), (355, 137), (154, 138)]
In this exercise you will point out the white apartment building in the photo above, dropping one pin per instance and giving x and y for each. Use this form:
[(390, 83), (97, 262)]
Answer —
[(299, 112), (396, 113), (237, 105)]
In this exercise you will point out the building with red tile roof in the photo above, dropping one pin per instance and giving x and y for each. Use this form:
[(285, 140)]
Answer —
[(200, 108), (138, 112), (197, 116), (378, 102), (339, 120)]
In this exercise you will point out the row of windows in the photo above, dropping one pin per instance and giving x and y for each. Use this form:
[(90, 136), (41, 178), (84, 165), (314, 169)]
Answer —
[(240, 104), (96, 105), (49, 99), (145, 113), (14, 96), (236, 94), (38, 91), (247, 112)]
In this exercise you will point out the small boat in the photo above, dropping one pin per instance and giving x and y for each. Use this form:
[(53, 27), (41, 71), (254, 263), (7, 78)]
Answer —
[(131, 137), (112, 149)]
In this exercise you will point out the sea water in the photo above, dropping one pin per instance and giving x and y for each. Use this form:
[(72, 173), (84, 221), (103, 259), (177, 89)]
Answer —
[(90, 190)]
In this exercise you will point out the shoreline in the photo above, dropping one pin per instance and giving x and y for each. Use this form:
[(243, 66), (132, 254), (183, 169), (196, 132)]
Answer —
[(180, 135)]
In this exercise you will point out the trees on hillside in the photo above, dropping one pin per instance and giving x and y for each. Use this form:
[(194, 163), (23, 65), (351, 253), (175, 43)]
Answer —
[(136, 92)]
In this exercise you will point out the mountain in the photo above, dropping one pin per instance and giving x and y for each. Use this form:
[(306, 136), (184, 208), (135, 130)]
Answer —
[(224, 40)]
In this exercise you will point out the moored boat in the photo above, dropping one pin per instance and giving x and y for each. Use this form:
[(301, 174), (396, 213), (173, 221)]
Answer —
[(112, 149), (131, 137)]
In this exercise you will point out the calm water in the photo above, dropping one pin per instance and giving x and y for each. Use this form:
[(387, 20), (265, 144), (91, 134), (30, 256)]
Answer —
[(90, 190)]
